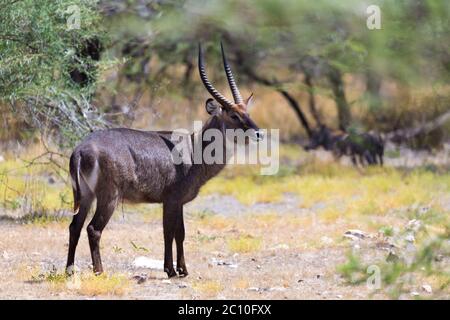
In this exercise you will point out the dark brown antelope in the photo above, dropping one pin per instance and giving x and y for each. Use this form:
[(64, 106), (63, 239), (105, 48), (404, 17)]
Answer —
[(137, 166), (366, 147)]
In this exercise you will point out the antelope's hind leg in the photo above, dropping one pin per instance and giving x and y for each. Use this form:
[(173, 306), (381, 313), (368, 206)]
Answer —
[(106, 204), (75, 229)]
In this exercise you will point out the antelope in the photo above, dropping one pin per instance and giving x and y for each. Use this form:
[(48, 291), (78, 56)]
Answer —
[(136, 166), (368, 147)]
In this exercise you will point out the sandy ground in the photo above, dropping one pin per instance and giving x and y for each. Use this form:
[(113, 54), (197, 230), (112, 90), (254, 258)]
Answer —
[(286, 266)]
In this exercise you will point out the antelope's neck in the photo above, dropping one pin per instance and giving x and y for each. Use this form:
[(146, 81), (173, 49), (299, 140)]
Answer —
[(209, 170)]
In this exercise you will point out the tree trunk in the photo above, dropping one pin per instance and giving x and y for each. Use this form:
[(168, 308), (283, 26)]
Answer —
[(373, 86), (402, 135), (293, 103), (312, 99), (337, 85), (298, 111)]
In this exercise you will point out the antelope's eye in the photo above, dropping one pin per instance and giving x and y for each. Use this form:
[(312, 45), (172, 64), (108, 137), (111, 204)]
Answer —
[(235, 117)]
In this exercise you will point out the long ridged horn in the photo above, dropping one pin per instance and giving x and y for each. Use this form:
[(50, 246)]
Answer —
[(234, 89), (216, 94)]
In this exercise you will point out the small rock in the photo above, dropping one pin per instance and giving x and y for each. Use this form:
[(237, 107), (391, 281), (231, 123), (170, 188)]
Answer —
[(351, 237), (318, 276), (140, 278), (277, 289), (166, 281), (383, 245), (410, 238), (51, 180), (258, 267), (144, 262), (414, 207), (5, 255), (413, 225), (355, 233), (182, 285), (218, 253), (281, 246), (414, 293), (392, 257), (300, 280), (439, 258), (326, 240), (224, 263), (339, 296), (253, 289), (427, 288)]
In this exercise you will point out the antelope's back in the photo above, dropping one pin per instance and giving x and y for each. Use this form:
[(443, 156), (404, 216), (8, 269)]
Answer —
[(138, 163)]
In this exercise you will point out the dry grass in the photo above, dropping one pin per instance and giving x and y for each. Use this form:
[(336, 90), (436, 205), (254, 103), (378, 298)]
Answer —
[(84, 284), (270, 251), (343, 192), (208, 288), (37, 189), (245, 244), (116, 285)]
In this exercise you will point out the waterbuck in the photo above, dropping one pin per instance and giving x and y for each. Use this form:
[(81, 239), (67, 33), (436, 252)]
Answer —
[(137, 166), (365, 147)]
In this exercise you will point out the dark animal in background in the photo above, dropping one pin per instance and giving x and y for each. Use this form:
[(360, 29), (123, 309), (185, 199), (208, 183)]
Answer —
[(367, 148), (129, 165)]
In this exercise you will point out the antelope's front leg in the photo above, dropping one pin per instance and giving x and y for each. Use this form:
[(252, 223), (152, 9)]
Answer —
[(179, 239), (169, 220)]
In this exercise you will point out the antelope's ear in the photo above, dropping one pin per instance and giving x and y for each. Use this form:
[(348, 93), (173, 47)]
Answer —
[(213, 108), (249, 102)]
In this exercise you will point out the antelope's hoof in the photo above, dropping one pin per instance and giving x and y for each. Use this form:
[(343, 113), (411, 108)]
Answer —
[(170, 272), (182, 272), (70, 270)]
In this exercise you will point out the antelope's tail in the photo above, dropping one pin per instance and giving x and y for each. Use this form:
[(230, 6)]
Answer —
[(75, 160)]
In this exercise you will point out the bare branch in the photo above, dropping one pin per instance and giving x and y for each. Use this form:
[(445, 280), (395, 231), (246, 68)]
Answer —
[(406, 134)]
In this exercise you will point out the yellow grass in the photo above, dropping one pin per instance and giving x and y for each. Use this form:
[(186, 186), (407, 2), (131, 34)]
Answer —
[(114, 285), (242, 284), (85, 284), (340, 191), (208, 288), (245, 244)]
